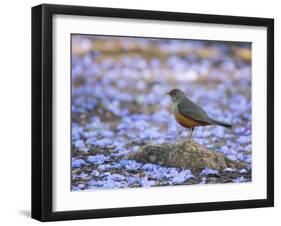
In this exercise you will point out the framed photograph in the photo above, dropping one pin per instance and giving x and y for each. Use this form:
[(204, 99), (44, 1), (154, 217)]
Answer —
[(145, 112)]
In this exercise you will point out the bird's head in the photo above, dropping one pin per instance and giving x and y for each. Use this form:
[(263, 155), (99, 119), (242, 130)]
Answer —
[(176, 94)]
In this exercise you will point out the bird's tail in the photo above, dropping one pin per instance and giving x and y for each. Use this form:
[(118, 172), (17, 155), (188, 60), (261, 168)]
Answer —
[(226, 125)]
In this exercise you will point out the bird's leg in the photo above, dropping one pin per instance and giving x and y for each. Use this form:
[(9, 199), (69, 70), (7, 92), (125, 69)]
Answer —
[(190, 134)]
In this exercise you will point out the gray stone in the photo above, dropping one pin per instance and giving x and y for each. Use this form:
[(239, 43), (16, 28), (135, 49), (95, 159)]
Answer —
[(188, 155)]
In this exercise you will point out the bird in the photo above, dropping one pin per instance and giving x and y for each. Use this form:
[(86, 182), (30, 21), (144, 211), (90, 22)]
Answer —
[(189, 115)]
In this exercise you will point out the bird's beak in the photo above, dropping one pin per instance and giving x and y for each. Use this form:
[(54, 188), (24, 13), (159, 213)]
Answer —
[(168, 93)]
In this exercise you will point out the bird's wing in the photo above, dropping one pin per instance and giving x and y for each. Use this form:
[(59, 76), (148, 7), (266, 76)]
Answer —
[(191, 110)]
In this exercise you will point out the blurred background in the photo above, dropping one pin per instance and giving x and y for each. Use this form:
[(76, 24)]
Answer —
[(119, 104)]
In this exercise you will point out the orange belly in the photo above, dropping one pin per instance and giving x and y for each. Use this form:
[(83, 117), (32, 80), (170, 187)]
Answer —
[(187, 122)]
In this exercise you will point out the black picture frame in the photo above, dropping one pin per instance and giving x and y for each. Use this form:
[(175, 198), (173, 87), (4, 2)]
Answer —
[(42, 107)]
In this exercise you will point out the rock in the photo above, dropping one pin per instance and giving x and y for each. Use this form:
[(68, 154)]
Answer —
[(188, 155)]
